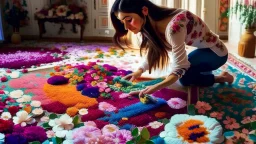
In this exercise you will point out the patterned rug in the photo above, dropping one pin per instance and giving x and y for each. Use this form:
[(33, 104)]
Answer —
[(87, 102), (26, 57)]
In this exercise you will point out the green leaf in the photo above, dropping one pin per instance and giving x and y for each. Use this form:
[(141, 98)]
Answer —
[(76, 120), (145, 134), (130, 142), (253, 125), (35, 142), (191, 110), (59, 140), (164, 121), (53, 116), (79, 125), (149, 142), (138, 138), (135, 132), (46, 125), (252, 137)]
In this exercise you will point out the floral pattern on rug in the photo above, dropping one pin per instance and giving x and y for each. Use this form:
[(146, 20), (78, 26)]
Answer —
[(232, 105)]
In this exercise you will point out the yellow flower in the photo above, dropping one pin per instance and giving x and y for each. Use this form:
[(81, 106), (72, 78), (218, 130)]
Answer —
[(67, 76), (75, 77), (52, 74), (94, 83), (80, 79)]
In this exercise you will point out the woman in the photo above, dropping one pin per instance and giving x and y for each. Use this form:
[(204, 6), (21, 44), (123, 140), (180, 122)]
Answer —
[(168, 30)]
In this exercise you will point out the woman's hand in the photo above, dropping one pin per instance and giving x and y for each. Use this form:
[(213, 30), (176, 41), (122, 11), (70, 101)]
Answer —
[(147, 90), (134, 75)]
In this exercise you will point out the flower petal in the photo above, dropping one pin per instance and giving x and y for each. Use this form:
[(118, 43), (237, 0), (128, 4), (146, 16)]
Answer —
[(178, 119)]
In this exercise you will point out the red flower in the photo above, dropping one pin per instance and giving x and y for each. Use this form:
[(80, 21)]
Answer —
[(190, 43), (5, 126), (200, 34), (175, 28), (214, 39), (180, 17), (194, 35), (13, 110)]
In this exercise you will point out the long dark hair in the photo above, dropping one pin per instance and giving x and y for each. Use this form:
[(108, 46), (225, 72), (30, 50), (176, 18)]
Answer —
[(157, 50)]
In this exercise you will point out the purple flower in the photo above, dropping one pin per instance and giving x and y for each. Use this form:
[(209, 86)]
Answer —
[(35, 133), (15, 139)]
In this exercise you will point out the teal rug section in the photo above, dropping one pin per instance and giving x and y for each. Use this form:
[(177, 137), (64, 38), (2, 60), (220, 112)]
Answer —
[(232, 105)]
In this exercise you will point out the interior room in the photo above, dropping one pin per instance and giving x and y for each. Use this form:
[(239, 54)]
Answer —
[(127, 71)]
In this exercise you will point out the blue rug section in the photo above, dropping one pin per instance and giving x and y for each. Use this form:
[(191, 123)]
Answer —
[(236, 101), (132, 110)]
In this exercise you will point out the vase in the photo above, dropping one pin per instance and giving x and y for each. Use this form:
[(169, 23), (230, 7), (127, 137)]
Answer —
[(16, 38), (246, 46)]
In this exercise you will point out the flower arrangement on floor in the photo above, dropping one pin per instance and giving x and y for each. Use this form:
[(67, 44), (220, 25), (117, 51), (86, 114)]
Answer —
[(16, 14)]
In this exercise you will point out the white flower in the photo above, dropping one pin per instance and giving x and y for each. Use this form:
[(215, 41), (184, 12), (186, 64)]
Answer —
[(83, 111), (15, 74), (62, 125), (62, 10), (69, 137), (37, 111), (16, 94), (2, 136), (182, 126), (110, 128), (155, 124), (35, 103), (24, 99), (23, 118), (79, 16), (45, 119), (6, 116)]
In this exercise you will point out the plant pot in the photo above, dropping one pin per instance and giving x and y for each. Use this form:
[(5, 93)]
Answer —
[(246, 46), (16, 38)]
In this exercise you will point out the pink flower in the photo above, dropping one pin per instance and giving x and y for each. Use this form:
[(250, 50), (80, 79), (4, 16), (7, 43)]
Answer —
[(108, 129), (177, 103), (121, 136), (85, 134), (104, 106), (217, 115), (101, 140), (124, 95), (102, 85), (245, 131), (96, 77), (231, 123), (101, 89), (202, 107), (90, 123), (107, 90), (237, 138)]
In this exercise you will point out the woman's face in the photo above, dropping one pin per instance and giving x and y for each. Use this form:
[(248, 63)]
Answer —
[(132, 22)]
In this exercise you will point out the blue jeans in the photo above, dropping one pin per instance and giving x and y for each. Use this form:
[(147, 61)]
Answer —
[(202, 61)]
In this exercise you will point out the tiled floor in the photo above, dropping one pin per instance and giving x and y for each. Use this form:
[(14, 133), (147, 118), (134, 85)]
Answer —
[(233, 49)]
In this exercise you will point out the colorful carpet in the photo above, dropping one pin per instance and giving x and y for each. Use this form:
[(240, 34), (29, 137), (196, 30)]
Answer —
[(88, 103)]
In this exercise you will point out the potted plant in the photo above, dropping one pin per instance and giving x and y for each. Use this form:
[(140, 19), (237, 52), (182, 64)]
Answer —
[(245, 10), (16, 16)]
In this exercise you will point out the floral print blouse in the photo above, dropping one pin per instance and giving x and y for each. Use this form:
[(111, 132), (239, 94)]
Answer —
[(186, 28)]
